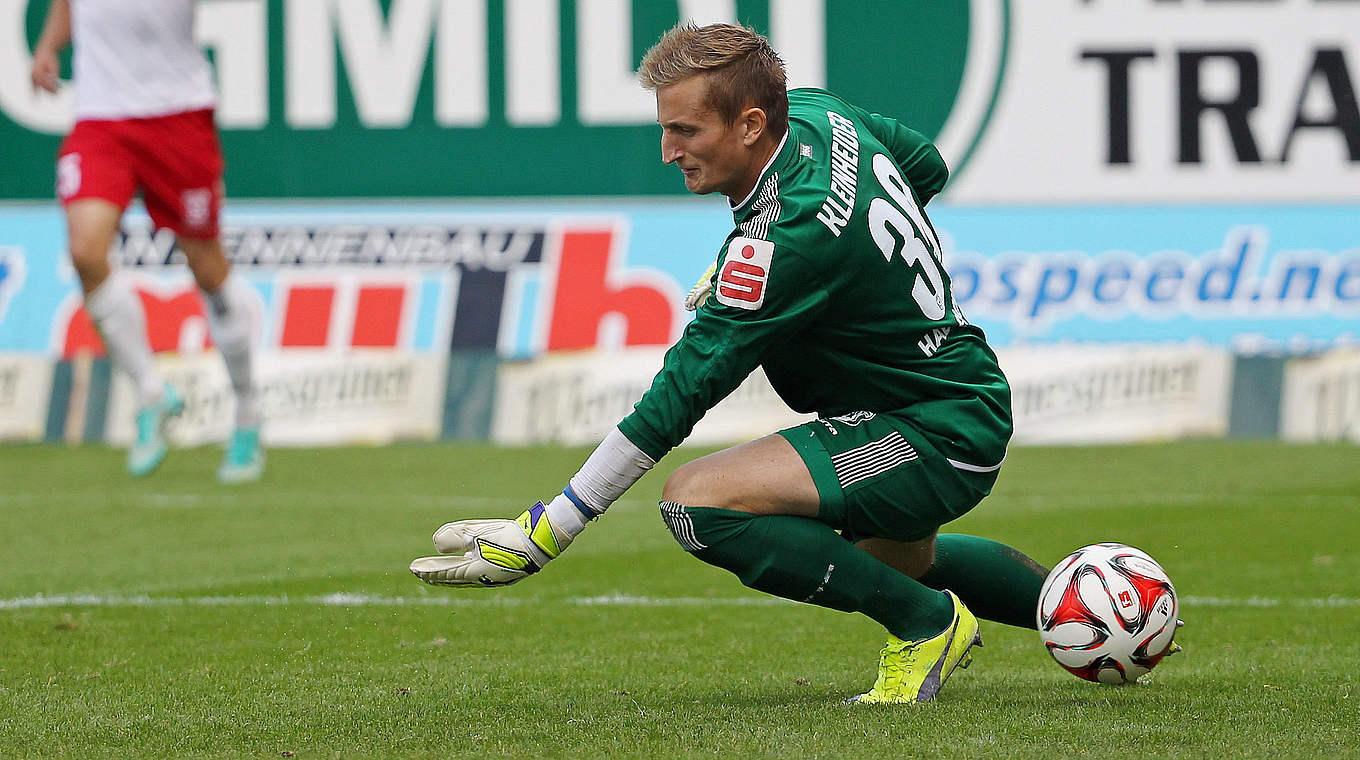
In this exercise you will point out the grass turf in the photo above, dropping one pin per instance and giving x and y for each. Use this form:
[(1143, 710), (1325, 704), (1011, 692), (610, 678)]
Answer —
[(171, 617)]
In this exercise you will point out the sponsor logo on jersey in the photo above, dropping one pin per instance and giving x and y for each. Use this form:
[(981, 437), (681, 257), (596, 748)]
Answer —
[(853, 419), (931, 341), (745, 273)]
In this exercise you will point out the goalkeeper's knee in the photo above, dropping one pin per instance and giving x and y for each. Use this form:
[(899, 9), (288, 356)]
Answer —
[(682, 526), (701, 530), (716, 537)]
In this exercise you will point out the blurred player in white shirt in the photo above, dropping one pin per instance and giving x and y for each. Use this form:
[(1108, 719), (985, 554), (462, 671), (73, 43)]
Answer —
[(144, 101)]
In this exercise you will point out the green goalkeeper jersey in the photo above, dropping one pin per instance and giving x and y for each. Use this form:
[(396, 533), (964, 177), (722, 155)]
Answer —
[(832, 282)]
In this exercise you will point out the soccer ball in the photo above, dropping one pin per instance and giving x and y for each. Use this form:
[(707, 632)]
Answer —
[(1107, 613)]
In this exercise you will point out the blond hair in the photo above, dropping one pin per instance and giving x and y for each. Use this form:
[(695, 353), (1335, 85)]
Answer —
[(742, 70)]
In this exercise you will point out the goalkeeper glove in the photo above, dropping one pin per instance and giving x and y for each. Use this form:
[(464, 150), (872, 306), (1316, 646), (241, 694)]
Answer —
[(491, 552), (699, 293)]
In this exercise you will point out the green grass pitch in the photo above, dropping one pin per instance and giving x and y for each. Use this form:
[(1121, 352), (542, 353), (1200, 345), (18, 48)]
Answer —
[(174, 618)]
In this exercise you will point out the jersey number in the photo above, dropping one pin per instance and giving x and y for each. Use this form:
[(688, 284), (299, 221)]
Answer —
[(898, 227)]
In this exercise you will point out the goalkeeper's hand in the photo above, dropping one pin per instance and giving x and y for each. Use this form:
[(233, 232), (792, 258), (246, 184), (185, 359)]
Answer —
[(490, 552), (699, 293)]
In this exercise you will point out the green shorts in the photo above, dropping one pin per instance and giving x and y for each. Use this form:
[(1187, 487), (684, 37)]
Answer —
[(879, 477)]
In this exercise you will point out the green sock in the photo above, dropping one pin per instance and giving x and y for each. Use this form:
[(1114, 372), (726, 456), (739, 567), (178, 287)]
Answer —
[(995, 581), (807, 561)]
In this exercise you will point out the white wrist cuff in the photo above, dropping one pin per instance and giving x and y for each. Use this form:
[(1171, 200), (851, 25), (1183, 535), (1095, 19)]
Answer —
[(614, 466), (565, 518)]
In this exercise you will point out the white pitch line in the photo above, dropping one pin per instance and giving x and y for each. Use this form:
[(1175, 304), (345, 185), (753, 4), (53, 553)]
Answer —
[(440, 501), (1265, 601), (473, 598)]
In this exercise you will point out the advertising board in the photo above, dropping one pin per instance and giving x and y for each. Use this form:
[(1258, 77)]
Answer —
[(1030, 101), (575, 398), (1321, 398), (1117, 393), (25, 384), (523, 278), (412, 98), (308, 398)]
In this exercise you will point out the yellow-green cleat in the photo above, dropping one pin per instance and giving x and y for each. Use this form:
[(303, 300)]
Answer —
[(914, 671)]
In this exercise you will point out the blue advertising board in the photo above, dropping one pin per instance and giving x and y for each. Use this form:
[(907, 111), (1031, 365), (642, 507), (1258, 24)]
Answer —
[(522, 278), (1251, 278)]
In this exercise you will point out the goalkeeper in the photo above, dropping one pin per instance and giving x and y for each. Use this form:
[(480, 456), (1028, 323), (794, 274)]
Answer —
[(831, 281)]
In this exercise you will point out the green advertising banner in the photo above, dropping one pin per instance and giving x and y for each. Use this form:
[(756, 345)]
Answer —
[(483, 98)]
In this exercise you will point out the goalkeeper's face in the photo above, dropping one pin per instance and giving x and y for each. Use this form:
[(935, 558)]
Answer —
[(714, 156)]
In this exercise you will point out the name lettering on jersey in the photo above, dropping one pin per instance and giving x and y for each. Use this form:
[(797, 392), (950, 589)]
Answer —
[(933, 340), (744, 273), (840, 201)]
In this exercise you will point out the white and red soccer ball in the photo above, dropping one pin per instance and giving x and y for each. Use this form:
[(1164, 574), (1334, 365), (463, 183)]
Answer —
[(1107, 613)]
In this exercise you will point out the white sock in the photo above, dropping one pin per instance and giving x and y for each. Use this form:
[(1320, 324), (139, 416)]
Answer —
[(118, 315), (231, 321)]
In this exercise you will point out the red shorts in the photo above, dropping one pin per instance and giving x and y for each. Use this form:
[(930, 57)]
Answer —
[(175, 160)]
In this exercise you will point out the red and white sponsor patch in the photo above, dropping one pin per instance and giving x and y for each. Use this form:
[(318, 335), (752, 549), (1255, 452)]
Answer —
[(745, 273)]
